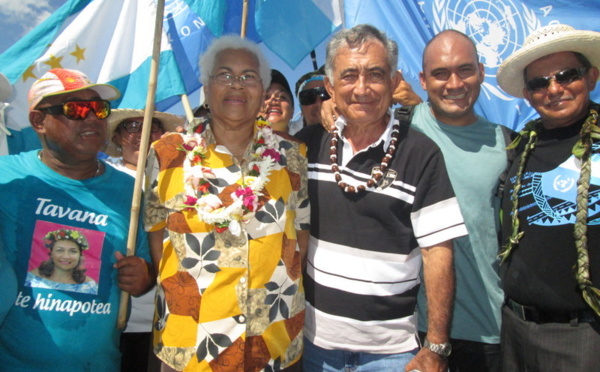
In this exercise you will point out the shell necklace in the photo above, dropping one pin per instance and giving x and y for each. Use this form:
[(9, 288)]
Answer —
[(377, 173)]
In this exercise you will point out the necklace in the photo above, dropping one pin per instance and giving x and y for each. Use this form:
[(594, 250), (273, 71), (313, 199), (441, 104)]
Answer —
[(98, 163), (582, 150), (377, 173), (242, 203)]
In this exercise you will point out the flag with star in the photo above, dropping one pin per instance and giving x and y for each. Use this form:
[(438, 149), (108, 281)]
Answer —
[(111, 42)]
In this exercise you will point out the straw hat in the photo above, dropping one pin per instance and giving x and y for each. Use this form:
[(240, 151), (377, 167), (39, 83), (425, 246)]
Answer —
[(542, 42), (169, 122)]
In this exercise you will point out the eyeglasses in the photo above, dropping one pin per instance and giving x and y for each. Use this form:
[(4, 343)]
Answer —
[(309, 96), (79, 110), (247, 80), (136, 126), (562, 77)]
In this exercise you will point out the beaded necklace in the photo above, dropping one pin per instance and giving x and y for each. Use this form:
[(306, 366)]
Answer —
[(377, 173)]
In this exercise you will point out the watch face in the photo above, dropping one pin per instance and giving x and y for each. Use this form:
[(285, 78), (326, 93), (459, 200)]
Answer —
[(442, 350)]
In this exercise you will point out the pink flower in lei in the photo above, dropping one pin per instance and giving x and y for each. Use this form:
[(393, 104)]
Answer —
[(249, 200), (210, 207)]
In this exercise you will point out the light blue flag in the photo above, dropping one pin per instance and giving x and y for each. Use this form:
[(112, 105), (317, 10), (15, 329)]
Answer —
[(498, 28), (292, 29)]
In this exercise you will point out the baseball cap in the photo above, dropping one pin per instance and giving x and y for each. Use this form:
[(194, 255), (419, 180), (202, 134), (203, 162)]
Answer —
[(277, 77), (60, 81)]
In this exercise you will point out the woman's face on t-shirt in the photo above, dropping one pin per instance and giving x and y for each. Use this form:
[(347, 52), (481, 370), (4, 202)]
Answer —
[(65, 255)]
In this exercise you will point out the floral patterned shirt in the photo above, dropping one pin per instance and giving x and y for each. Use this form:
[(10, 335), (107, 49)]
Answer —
[(228, 302)]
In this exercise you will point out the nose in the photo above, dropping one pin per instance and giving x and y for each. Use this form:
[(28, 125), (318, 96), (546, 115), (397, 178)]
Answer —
[(554, 86), (318, 101), (362, 85), (236, 80), (91, 115), (275, 98), (454, 81)]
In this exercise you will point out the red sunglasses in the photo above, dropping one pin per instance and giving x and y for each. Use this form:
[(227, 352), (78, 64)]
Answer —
[(79, 110)]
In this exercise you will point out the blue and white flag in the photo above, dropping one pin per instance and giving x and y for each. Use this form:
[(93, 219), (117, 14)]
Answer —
[(110, 41), (498, 28)]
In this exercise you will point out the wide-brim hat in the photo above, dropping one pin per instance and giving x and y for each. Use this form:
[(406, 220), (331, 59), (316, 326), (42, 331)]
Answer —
[(169, 121), (542, 42)]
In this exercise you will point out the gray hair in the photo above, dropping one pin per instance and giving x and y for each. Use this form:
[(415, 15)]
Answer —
[(354, 38), (208, 59)]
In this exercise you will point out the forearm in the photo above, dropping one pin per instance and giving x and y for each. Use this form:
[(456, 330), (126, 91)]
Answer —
[(155, 240), (303, 236), (438, 270)]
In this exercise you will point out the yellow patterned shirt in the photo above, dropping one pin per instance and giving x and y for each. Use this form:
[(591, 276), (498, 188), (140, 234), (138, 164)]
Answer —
[(227, 302)]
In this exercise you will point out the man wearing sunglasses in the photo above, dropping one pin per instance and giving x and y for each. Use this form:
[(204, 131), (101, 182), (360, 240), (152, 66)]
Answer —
[(65, 186), (311, 93), (551, 224)]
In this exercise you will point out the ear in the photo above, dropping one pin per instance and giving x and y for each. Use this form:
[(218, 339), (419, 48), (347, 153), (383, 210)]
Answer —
[(205, 91), (36, 119), (481, 72), (329, 87), (593, 77), (116, 138), (422, 80), (526, 95), (396, 80)]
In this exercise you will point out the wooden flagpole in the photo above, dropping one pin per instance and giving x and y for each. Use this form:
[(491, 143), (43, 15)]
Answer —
[(244, 18), (146, 129)]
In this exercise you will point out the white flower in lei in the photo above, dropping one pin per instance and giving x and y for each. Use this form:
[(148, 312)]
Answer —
[(210, 207)]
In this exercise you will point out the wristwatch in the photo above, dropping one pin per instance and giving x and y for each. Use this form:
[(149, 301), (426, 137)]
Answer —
[(443, 350)]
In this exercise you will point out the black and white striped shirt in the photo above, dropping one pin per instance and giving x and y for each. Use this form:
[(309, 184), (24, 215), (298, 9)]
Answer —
[(363, 262)]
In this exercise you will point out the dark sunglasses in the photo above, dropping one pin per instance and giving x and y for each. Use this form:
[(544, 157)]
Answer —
[(79, 110), (136, 126), (309, 96), (562, 77)]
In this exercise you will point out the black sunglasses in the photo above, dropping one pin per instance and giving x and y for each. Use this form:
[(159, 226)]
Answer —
[(562, 77), (309, 96), (134, 126), (79, 110)]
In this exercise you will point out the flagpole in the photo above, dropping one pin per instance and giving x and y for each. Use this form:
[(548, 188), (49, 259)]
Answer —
[(146, 129), (244, 18), (189, 113)]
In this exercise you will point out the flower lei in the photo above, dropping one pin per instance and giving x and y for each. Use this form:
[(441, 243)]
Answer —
[(210, 207), (65, 234)]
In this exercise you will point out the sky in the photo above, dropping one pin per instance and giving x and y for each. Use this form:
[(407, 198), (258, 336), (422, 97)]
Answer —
[(18, 17)]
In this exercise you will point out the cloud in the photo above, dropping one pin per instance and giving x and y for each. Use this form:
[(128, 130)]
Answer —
[(24, 9), (21, 16)]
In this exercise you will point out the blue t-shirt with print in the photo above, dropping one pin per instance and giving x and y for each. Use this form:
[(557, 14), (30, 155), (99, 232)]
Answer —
[(63, 328)]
